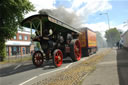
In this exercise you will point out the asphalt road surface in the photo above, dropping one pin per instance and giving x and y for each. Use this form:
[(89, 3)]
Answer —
[(113, 70), (22, 73), (18, 73)]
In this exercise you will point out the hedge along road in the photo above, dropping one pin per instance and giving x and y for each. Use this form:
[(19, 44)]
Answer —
[(24, 73)]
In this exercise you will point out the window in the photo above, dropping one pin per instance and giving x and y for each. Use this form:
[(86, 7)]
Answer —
[(20, 37), (26, 37), (23, 49), (14, 50), (14, 37), (27, 50)]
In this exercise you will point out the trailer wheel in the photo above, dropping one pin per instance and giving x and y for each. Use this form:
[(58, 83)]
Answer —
[(57, 58), (37, 58), (75, 50)]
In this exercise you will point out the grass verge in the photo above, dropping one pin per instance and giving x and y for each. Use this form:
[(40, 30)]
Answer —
[(16, 60)]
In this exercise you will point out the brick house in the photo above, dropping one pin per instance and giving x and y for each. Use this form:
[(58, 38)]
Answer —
[(20, 44)]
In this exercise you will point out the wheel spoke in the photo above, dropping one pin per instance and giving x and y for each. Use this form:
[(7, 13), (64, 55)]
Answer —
[(58, 58), (38, 59)]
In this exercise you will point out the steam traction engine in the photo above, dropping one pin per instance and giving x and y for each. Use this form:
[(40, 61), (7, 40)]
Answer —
[(57, 39)]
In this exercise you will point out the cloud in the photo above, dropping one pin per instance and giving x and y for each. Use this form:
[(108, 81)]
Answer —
[(87, 7), (77, 3), (46, 4), (41, 4), (77, 13), (100, 27), (122, 27)]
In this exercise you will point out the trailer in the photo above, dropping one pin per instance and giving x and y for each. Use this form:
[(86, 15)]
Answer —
[(124, 38), (88, 41), (58, 40)]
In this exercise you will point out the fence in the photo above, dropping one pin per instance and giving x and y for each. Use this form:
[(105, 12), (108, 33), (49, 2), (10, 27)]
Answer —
[(16, 57)]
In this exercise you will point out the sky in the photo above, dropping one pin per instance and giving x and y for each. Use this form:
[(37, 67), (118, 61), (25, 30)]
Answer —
[(90, 11)]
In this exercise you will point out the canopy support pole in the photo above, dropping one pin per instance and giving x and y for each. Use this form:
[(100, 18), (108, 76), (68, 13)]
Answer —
[(40, 27), (31, 28)]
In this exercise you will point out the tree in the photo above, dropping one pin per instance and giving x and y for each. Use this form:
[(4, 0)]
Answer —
[(11, 14), (113, 36)]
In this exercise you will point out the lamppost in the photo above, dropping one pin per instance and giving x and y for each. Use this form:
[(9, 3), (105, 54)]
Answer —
[(108, 23), (107, 18)]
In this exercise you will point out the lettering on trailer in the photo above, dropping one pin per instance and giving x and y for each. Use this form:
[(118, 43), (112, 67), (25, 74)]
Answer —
[(91, 39)]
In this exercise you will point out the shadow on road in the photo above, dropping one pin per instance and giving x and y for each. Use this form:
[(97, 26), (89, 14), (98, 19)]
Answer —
[(14, 69), (122, 66), (6, 71)]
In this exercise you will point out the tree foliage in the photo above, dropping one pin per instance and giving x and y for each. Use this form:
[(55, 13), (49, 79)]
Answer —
[(113, 36), (11, 14)]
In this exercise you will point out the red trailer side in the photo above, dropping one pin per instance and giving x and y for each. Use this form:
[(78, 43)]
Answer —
[(88, 41)]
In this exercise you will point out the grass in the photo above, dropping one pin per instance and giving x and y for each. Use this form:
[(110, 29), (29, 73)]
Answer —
[(16, 60)]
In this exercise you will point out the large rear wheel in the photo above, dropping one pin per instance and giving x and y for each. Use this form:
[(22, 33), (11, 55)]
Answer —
[(57, 58), (37, 59), (75, 50)]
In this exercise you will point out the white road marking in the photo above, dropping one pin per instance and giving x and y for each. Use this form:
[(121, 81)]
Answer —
[(46, 73), (68, 65), (28, 80), (17, 66)]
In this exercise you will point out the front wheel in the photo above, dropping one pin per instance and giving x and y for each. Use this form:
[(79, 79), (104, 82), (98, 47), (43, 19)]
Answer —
[(75, 50), (37, 58), (57, 58)]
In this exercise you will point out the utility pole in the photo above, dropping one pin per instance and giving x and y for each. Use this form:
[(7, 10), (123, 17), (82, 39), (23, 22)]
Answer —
[(108, 23), (107, 18)]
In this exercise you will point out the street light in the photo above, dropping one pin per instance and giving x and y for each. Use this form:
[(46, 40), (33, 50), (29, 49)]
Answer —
[(108, 24), (107, 18)]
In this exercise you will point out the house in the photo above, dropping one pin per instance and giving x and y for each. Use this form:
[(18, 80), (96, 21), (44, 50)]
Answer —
[(124, 38), (20, 44)]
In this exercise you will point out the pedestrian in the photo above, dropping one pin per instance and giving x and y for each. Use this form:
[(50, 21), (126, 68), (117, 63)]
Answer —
[(118, 45)]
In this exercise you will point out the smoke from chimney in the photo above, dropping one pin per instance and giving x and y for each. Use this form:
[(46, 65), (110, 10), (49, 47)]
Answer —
[(65, 16)]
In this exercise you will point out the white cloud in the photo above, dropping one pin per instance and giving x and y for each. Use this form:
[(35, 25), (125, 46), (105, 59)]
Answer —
[(122, 27), (91, 6), (41, 4), (81, 7), (77, 3), (100, 27)]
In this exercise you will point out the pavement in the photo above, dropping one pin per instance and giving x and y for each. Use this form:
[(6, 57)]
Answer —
[(112, 70)]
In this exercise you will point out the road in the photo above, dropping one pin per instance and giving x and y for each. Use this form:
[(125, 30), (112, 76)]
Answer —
[(21, 73), (113, 70), (16, 74)]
